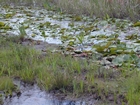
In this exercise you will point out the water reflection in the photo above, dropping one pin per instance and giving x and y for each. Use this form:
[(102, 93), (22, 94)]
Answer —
[(33, 95)]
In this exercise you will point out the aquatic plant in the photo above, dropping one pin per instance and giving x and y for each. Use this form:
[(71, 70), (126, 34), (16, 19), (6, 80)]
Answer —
[(22, 33)]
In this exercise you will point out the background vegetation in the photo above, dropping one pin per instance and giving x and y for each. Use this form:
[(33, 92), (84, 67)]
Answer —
[(100, 8)]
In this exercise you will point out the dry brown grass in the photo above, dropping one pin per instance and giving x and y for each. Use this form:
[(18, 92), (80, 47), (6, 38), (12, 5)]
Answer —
[(100, 8)]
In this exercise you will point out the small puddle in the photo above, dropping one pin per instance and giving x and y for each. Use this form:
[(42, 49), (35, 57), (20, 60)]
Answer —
[(33, 95)]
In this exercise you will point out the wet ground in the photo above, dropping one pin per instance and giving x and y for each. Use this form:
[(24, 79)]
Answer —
[(33, 95)]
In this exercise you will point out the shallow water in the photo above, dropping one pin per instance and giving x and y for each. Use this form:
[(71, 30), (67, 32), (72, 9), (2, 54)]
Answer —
[(33, 95), (32, 18)]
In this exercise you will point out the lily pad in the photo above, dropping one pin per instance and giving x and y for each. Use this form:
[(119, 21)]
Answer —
[(137, 24), (77, 18), (71, 43), (2, 24), (126, 58), (8, 15), (118, 61), (131, 37)]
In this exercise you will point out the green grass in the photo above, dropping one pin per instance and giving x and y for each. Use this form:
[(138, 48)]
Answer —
[(133, 87), (6, 86), (6, 83), (65, 74)]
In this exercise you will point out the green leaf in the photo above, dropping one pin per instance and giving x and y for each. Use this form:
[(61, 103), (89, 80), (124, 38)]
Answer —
[(118, 61), (77, 18), (137, 24), (71, 43), (2, 24), (127, 57), (138, 63)]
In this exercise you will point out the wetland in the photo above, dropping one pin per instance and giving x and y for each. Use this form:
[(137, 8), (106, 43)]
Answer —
[(48, 57)]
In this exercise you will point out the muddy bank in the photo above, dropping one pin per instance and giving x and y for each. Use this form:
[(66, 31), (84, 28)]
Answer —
[(32, 95)]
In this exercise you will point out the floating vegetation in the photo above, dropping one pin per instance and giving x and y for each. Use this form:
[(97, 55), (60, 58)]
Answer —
[(80, 32), (137, 24), (77, 18), (9, 15), (4, 26), (132, 37)]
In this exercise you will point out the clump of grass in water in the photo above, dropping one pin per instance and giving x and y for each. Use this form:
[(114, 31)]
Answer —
[(54, 80), (7, 86), (22, 33)]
